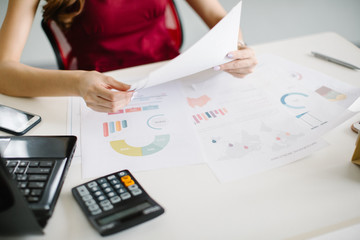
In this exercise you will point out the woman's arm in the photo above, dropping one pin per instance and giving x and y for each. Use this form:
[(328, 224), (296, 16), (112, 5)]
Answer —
[(17, 79), (210, 11), (244, 61)]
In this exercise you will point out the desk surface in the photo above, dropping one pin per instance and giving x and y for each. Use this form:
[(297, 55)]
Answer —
[(310, 197)]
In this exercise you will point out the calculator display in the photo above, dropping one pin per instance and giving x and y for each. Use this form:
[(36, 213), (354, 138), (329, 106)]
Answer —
[(124, 214)]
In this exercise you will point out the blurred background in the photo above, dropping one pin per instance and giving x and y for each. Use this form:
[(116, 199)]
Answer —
[(261, 21)]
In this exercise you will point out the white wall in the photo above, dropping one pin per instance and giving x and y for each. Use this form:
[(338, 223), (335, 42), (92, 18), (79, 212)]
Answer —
[(261, 21)]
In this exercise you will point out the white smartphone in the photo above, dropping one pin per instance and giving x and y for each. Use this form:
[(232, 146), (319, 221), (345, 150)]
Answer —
[(15, 121), (356, 127)]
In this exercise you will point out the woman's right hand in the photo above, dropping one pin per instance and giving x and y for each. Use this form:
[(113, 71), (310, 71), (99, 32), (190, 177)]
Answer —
[(98, 92)]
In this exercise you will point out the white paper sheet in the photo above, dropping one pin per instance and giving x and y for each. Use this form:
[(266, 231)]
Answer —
[(208, 52), (153, 132), (270, 118)]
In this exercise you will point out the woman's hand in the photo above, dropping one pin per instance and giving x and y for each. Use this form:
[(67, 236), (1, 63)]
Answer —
[(244, 62), (98, 92)]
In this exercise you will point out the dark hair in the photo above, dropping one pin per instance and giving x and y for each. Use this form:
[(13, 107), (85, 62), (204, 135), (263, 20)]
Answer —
[(62, 11)]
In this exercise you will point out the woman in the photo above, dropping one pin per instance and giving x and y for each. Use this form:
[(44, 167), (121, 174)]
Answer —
[(104, 35)]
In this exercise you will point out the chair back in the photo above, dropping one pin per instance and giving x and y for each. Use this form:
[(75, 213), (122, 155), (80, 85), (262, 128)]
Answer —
[(173, 24), (62, 49)]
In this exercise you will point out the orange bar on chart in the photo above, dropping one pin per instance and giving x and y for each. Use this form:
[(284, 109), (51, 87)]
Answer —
[(118, 126)]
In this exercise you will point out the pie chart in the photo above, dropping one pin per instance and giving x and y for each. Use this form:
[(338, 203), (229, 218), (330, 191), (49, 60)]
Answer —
[(157, 145)]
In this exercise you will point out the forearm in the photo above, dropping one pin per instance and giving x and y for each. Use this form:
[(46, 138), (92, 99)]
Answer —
[(19, 80), (210, 11)]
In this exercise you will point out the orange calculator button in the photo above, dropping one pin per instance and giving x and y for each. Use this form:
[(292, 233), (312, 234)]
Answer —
[(125, 178), (129, 183)]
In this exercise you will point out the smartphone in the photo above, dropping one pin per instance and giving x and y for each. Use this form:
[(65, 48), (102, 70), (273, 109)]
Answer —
[(15, 121), (356, 127)]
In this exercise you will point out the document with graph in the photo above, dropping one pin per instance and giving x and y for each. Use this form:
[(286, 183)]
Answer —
[(274, 116), (206, 53), (153, 131)]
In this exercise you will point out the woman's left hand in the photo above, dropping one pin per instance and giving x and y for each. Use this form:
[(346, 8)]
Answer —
[(244, 62)]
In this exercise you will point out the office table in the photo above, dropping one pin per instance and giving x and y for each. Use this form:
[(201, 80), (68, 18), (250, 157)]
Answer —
[(313, 196)]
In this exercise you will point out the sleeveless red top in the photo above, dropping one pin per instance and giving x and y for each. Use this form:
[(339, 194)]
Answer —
[(114, 34)]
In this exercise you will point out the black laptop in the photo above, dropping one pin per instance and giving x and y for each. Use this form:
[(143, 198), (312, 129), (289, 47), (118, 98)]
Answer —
[(32, 172)]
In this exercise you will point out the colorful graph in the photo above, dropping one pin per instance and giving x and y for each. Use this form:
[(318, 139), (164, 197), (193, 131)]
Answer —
[(205, 116), (200, 101), (157, 145), (136, 109), (292, 100), (330, 94), (112, 127)]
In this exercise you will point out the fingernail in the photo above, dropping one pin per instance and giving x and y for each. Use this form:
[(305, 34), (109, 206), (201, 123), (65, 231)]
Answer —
[(217, 68), (230, 55)]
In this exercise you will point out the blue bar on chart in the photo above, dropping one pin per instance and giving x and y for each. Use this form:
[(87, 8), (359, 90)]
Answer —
[(112, 127)]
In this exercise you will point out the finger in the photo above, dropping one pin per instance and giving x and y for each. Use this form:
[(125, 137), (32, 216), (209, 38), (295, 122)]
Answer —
[(98, 108), (239, 64), (238, 75), (117, 85), (116, 100), (241, 54), (113, 101), (113, 96), (102, 105)]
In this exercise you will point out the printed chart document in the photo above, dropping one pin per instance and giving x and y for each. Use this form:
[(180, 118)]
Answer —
[(208, 52), (274, 116), (153, 131)]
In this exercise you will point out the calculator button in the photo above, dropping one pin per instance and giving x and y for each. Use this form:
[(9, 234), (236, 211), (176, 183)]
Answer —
[(105, 185), (92, 184), (107, 208), (94, 189), (129, 183), (111, 194), (122, 190), (133, 187), (111, 177), (96, 212), (105, 203), (82, 190), (98, 193), (121, 174), (136, 192), (90, 202), (115, 181), (125, 178), (108, 189), (102, 180), (87, 197), (115, 199), (125, 196), (117, 186), (101, 198), (93, 207)]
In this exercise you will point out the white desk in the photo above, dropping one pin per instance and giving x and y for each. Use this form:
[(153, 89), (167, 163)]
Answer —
[(310, 197)]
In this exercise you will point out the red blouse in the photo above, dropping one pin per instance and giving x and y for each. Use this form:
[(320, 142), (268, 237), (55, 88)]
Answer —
[(114, 34)]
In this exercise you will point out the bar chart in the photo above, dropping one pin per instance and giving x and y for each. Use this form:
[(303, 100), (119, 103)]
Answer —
[(113, 126), (208, 115)]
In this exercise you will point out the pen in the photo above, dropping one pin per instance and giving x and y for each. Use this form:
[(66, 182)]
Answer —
[(334, 60)]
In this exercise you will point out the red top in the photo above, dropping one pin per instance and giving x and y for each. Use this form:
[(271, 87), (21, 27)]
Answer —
[(114, 34)]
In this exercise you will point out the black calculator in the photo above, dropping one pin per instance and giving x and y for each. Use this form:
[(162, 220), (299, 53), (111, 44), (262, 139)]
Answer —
[(115, 202)]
